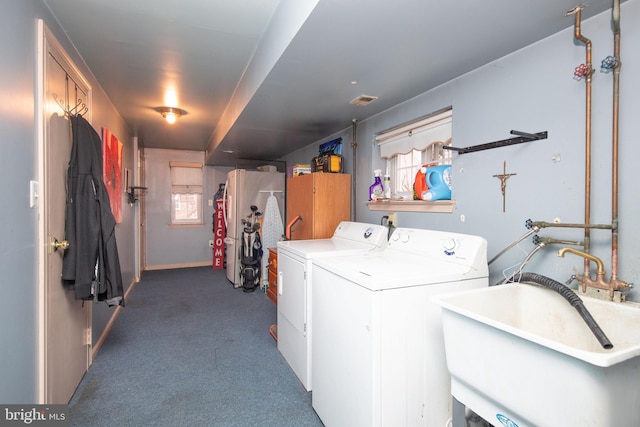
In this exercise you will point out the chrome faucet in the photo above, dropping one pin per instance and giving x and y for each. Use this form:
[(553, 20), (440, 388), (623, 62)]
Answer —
[(390, 226)]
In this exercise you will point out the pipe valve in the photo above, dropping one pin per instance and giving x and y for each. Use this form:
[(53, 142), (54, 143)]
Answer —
[(608, 63), (581, 71)]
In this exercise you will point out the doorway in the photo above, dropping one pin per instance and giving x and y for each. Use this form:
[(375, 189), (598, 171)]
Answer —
[(141, 212), (65, 323)]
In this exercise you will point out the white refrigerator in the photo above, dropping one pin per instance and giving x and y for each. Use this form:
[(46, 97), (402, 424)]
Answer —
[(245, 188)]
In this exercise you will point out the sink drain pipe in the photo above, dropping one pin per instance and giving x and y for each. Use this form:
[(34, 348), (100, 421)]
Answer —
[(573, 299)]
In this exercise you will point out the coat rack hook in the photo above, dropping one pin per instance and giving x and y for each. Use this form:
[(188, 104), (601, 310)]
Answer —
[(133, 196), (79, 109)]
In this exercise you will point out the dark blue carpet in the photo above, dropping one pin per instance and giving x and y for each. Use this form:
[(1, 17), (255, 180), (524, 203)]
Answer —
[(190, 350)]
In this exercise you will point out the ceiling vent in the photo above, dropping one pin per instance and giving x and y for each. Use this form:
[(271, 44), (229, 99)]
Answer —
[(363, 100)]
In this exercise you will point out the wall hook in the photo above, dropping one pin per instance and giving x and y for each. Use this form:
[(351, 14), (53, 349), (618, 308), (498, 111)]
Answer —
[(133, 196)]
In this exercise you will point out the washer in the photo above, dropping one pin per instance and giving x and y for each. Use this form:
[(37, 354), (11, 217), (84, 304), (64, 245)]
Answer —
[(294, 286), (378, 347)]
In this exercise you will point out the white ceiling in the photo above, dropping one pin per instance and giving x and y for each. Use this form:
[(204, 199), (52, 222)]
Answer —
[(265, 77)]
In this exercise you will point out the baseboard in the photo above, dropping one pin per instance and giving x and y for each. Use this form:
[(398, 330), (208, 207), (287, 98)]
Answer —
[(172, 266)]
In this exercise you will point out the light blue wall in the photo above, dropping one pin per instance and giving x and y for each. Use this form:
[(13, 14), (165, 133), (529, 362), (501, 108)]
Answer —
[(530, 90), (174, 246), (19, 222)]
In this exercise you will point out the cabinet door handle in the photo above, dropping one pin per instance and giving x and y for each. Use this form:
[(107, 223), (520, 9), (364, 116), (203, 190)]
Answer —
[(280, 283)]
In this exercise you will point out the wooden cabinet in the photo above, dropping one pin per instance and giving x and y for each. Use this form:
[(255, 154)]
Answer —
[(272, 290), (323, 200)]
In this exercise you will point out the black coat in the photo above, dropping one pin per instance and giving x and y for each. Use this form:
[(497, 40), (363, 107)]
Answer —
[(89, 223)]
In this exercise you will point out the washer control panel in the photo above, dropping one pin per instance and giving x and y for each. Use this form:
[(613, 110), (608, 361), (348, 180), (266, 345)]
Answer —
[(440, 244)]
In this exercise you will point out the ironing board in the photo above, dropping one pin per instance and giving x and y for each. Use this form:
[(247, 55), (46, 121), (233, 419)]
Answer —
[(272, 230)]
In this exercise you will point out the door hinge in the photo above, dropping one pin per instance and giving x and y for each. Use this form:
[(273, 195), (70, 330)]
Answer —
[(87, 336)]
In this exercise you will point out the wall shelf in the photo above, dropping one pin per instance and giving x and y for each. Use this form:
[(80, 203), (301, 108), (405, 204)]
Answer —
[(440, 206), (522, 137)]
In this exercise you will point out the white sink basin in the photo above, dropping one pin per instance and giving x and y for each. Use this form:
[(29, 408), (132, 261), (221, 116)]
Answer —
[(520, 353)]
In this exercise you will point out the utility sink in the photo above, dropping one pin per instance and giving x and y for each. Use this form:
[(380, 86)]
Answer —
[(521, 355)]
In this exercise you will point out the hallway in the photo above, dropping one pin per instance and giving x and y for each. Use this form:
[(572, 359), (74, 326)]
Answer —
[(189, 349)]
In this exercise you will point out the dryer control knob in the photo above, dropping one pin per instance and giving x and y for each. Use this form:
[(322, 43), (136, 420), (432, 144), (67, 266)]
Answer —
[(405, 238)]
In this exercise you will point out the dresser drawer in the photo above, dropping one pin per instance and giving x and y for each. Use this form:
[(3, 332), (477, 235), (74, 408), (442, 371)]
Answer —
[(273, 260), (272, 290)]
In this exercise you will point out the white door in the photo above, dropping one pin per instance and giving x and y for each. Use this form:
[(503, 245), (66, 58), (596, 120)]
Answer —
[(292, 291), (66, 322), (141, 214)]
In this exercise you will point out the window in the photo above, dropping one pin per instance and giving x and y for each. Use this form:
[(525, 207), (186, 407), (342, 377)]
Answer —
[(186, 193), (409, 146)]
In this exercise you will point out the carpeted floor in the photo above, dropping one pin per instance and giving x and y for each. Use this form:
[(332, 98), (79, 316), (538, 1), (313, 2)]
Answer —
[(190, 350)]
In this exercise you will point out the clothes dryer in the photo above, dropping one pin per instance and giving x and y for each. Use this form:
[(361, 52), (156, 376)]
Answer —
[(378, 346), (295, 274)]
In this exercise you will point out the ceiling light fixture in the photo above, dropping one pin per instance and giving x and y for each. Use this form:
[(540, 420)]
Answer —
[(170, 114)]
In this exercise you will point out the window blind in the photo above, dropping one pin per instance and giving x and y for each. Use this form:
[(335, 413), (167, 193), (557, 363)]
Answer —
[(186, 177), (416, 135)]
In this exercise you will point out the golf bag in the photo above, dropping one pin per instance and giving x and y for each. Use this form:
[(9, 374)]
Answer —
[(251, 252)]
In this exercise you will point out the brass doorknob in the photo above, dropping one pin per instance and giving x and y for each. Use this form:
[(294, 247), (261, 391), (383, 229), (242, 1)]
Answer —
[(55, 244)]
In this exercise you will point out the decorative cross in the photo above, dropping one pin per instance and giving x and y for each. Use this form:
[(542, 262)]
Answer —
[(503, 183)]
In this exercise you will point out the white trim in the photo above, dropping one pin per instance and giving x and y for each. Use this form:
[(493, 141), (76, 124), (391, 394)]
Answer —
[(40, 123), (439, 206), (172, 266)]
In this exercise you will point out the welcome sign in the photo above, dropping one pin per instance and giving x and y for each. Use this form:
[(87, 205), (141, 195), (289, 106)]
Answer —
[(219, 231)]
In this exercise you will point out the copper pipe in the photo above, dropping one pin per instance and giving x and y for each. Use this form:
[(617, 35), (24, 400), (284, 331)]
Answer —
[(577, 11), (289, 228), (614, 283), (615, 137)]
